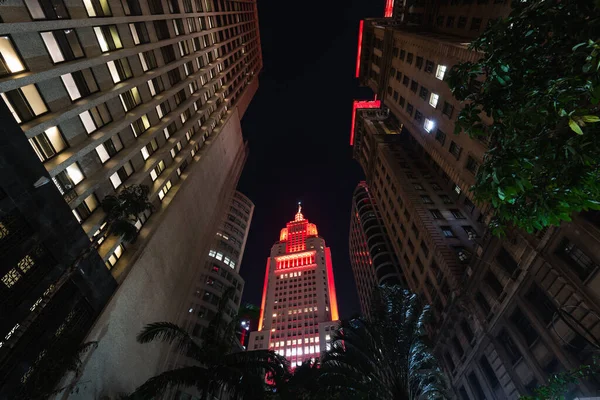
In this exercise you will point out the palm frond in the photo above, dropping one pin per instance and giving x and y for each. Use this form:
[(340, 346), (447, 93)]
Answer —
[(169, 333), (182, 377)]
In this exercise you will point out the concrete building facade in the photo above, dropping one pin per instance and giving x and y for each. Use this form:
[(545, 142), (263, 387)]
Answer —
[(508, 312), (299, 309), (113, 93), (372, 257)]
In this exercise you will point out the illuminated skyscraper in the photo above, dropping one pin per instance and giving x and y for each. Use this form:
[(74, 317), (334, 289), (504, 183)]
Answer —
[(299, 305)]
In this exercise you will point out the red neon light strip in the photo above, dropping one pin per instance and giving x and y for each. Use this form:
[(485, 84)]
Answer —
[(360, 34), (361, 104), (389, 8), (332, 296), (264, 296)]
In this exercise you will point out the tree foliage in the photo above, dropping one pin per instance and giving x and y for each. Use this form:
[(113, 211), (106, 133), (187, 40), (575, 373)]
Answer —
[(123, 210), (238, 373), (538, 82), (385, 357)]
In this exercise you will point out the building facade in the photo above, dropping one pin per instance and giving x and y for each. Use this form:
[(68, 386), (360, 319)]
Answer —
[(112, 93), (508, 312), (40, 238), (299, 311), (372, 257), (220, 271)]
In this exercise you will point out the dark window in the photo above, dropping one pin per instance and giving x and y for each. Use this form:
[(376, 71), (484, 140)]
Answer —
[(155, 7), (457, 214), (429, 66), (505, 260), (579, 261), (139, 32), (450, 22), (168, 54), (436, 214), (413, 86), (457, 347), (545, 307), (418, 116), (446, 199), (426, 199), (405, 80), (470, 231), (447, 231), (402, 54), (409, 108), (448, 109), (449, 361), (472, 165), (463, 393), (476, 386), (435, 186), (419, 62), (401, 101), (469, 205), (440, 137), (493, 283), (455, 150), (475, 24), (509, 346), (162, 29), (483, 303), (523, 325), (439, 21), (462, 22), (466, 328), (47, 9), (423, 93), (409, 58)]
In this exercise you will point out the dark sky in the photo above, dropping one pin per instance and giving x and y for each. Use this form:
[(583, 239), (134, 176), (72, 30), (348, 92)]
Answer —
[(298, 129)]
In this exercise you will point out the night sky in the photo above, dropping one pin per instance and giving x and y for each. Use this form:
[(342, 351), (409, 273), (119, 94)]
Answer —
[(298, 129)]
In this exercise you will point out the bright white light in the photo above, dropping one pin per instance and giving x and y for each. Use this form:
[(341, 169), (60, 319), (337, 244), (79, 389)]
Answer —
[(433, 100), (440, 72), (428, 125)]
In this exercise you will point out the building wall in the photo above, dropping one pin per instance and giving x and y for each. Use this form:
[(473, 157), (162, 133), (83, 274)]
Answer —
[(515, 309), (39, 239), (372, 257)]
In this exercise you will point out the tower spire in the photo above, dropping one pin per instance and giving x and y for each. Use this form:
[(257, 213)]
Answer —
[(299, 216)]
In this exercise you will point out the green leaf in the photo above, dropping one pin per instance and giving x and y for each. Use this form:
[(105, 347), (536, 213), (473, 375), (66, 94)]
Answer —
[(502, 81), (574, 127), (586, 68), (504, 68), (590, 118), (501, 194)]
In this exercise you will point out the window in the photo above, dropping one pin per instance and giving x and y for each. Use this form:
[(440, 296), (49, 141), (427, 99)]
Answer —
[(435, 186), (429, 66), (163, 192), (149, 149), (140, 125), (97, 8), (418, 187), (80, 83), (131, 7), (457, 214), (413, 86), (10, 62), (506, 261), (155, 7), (433, 99), (163, 109), (401, 101), (424, 248), (457, 347), (162, 30), (47, 9), (440, 137), (523, 325), (472, 165), (470, 231), (122, 174), (409, 58), (48, 144), (483, 303), (66, 180), (450, 21), (462, 22), (402, 54), (475, 24), (95, 118), (455, 150), (448, 109), (109, 148), (493, 283), (108, 37), (86, 208), (426, 199), (111, 261), (418, 116), (545, 307), (428, 125), (440, 72), (130, 99), (476, 386), (405, 80), (579, 261), (424, 93), (25, 103), (155, 173), (436, 214), (148, 60), (409, 108), (447, 231), (469, 205), (466, 329), (419, 62), (178, 26), (176, 149), (156, 86), (139, 32), (509, 346)]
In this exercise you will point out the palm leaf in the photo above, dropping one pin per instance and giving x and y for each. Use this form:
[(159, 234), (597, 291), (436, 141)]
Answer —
[(169, 333), (182, 377)]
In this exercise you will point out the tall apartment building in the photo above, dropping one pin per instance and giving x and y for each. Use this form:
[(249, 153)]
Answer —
[(39, 239), (299, 310), (372, 257), (113, 93), (219, 271), (509, 311)]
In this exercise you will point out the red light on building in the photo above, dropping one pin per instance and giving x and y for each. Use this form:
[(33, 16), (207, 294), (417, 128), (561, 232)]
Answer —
[(331, 284), (360, 34), (389, 8), (264, 296), (357, 105)]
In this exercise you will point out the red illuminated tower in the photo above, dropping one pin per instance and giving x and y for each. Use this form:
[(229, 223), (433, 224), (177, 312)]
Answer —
[(299, 306)]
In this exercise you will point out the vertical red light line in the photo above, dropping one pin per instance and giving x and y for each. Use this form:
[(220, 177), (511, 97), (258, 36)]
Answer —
[(389, 8), (330, 282), (354, 104), (360, 35), (264, 296)]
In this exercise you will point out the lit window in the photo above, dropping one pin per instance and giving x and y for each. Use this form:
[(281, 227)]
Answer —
[(219, 256), (212, 253), (24, 103), (165, 189), (428, 125), (122, 174), (433, 100), (10, 62), (108, 37), (11, 277), (440, 72), (119, 70), (47, 144), (114, 257), (157, 170), (75, 173), (97, 8)]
